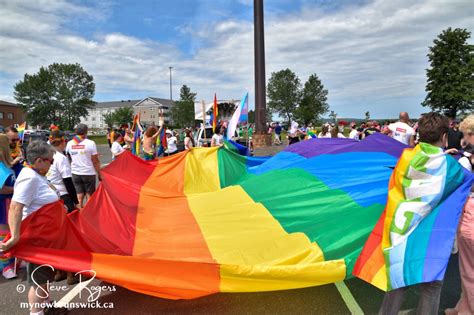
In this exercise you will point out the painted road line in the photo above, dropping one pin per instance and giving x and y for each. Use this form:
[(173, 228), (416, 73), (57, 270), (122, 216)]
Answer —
[(72, 294), (346, 294)]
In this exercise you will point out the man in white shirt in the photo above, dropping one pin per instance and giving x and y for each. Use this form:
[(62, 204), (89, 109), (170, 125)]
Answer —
[(354, 134), (401, 131), (217, 138), (116, 148), (172, 143), (85, 164)]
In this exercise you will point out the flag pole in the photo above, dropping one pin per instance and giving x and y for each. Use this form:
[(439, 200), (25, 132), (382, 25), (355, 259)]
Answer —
[(203, 104)]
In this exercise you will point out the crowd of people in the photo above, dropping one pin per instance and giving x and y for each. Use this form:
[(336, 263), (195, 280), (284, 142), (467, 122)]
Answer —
[(69, 171), (404, 130)]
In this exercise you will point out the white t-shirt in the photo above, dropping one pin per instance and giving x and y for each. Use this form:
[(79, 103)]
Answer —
[(218, 139), (116, 149), (327, 135), (59, 169), (354, 134), (466, 163), (33, 190), (401, 132), (172, 146), (81, 156)]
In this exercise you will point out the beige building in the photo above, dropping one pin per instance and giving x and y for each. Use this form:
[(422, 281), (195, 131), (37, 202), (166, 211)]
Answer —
[(151, 109)]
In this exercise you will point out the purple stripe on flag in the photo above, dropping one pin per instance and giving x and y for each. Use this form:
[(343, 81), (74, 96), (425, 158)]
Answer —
[(373, 143)]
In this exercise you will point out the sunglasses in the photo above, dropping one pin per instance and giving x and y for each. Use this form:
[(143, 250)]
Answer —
[(49, 160), (15, 140)]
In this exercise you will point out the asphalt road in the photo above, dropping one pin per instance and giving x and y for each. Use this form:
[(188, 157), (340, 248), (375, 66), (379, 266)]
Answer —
[(316, 300)]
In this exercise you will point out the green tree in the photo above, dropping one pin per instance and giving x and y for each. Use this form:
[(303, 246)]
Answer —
[(182, 112), (109, 119), (59, 94), (367, 116), (313, 103), (123, 116), (284, 93), (450, 78)]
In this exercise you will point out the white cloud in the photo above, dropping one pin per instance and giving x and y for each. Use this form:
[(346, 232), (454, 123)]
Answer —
[(370, 57)]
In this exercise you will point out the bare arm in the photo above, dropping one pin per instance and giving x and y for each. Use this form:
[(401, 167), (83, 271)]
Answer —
[(6, 190), (412, 140), (14, 221), (96, 162)]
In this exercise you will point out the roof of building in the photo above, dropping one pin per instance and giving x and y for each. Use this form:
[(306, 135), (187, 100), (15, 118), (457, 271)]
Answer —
[(122, 103), (129, 103), (5, 103)]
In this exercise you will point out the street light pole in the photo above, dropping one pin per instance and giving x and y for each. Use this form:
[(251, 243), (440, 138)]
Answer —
[(171, 85), (260, 94)]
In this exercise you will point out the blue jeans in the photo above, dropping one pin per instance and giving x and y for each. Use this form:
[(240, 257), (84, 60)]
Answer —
[(428, 303)]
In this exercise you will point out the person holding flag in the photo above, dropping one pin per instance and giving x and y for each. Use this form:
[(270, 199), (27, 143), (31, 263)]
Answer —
[(133, 137), (149, 142)]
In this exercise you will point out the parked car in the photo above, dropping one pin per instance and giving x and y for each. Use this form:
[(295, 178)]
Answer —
[(202, 141)]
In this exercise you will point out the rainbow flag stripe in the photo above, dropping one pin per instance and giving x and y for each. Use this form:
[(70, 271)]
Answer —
[(413, 238), (210, 220)]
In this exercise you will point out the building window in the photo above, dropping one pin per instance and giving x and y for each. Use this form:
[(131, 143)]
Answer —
[(93, 118), (1, 115), (10, 115)]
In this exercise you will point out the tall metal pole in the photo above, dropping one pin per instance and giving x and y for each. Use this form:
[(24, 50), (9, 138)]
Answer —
[(259, 50), (171, 85)]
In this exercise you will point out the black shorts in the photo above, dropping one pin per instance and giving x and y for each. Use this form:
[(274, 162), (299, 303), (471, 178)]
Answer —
[(84, 184), (41, 275), (68, 203)]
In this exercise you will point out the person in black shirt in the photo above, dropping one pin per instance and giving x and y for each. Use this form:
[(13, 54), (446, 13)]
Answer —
[(371, 129), (454, 136)]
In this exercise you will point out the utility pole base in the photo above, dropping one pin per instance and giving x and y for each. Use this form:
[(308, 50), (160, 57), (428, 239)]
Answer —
[(261, 140)]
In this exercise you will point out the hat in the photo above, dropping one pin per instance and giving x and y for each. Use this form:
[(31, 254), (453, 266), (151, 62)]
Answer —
[(169, 131)]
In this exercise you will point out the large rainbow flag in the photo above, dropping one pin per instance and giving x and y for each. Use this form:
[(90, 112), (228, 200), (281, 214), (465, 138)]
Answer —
[(210, 220), (413, 238)]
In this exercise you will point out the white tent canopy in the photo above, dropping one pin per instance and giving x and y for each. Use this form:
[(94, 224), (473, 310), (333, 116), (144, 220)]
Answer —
[(208, 107)]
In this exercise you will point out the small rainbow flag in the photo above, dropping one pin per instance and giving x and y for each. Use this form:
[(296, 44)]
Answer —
[(136, 135), (161, 141), (21, 131)]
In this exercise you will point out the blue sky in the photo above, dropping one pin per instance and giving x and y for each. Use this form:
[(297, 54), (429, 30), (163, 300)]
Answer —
[(370, 55)]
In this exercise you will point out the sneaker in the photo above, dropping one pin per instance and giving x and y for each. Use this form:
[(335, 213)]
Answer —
[(60, 275), (8, 273), (72, 279), (55, 310)]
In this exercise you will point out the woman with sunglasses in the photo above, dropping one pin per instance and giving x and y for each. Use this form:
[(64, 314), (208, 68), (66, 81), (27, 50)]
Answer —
[(31, 192)]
